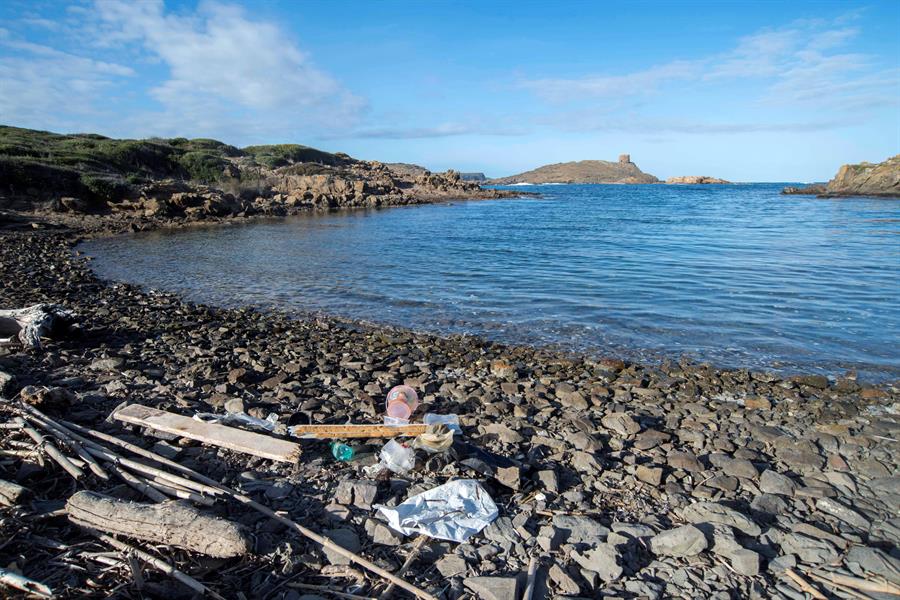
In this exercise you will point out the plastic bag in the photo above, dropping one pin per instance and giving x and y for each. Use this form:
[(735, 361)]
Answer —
[(454, 511)]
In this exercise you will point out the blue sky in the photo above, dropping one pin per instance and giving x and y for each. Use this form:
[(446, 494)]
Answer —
[(761, 91)]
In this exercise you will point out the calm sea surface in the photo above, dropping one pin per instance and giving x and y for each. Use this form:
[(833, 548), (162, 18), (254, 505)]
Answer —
[(736, 275)]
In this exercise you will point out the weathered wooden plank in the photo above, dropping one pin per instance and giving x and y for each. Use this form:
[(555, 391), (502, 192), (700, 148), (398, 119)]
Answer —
[(222, 436), (329, 432)]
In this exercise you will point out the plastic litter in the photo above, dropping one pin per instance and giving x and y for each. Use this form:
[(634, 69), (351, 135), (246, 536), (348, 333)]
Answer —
[(401, 402), (454, 511), (397, 457), (436, 438), (270, 423), (341, 451), (451, 421)]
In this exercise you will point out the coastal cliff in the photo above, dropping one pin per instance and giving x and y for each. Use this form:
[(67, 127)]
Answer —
[(694, 180), (583, 171), (863, 179)]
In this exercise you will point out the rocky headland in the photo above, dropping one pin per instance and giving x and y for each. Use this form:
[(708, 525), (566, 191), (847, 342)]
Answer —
[(623, 480), (863, 179), (196, 180), (583, 171), (694, 180)]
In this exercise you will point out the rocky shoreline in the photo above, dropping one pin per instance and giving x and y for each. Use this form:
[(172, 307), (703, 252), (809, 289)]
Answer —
[(627, 480)]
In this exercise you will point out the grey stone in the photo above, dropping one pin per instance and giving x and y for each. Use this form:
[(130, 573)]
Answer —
[(650, 475), (450, 565), (773, 482), (382, 534), (712, 512), (234, 405), (781, 563), (633, 530), (686, 540), (621, 423), (602, 560), (585, 462), (345, 538), (770, 504), (579, 529), (745, 562), (549, 480), (843, 512), (872, 560), (685, 461), (809, 550), (741, 468), (493, 588), (566, 584), (107, 364)]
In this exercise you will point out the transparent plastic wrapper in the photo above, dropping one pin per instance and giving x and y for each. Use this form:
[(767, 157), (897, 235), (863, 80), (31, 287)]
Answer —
[(268, 424), (397, 457), (451, 421), (454, 511)]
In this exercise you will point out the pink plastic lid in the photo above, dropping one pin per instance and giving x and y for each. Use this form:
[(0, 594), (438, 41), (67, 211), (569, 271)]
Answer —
[(399, 409)]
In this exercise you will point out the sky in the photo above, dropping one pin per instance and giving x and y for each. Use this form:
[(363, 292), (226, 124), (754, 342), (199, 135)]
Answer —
[(747, 91)]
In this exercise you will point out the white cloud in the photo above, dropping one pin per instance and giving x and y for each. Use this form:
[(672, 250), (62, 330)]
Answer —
[(36, 81), (799, 65), (224, 74), (227, 69)]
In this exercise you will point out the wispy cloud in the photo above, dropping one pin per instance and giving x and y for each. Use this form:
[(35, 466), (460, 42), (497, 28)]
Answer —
[(37, 80), (226, 74), (800, 65), (438, 131)]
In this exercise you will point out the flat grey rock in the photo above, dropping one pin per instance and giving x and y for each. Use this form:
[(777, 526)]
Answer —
[(686, 540), (493, 588), (711, 512)]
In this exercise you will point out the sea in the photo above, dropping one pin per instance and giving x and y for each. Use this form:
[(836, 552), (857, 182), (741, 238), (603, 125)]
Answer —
[(738, 276)]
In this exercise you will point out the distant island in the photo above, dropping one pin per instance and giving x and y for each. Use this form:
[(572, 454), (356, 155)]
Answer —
[(863, 179), (694, 180), (583, 171)]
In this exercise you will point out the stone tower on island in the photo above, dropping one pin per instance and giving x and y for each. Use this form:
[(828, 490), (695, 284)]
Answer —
[(624, 158)]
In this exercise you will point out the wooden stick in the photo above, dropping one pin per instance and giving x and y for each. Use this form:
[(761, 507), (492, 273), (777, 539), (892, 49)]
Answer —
[(331, 432), (532, 573), (51, 450), (865, 585), (23, 584), (410, 559), (843, 588), (214, 434), (161, 565), (261, 508), (139, 484), (180, 493), (804, 585), (152, 471), (71, 443)]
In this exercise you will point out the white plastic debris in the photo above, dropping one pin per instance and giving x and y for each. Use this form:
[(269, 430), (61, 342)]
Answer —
[(270, 423), (454, 511), (397, 457)]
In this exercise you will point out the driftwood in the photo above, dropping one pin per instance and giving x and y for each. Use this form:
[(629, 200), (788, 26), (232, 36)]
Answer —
[(203, 483), (172, 523), (12, 494), (23, 584), (804, 585), (222, 436), (532, 574), (32, 323), (51, 450)]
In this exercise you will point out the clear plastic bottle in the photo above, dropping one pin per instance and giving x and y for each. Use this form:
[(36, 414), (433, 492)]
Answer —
[(401, 402), (342, 451)]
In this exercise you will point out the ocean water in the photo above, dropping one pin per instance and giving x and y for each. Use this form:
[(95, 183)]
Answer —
[(737, 275)]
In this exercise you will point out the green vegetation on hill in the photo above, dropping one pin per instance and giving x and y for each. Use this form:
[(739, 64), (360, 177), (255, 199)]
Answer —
[(102, 168)]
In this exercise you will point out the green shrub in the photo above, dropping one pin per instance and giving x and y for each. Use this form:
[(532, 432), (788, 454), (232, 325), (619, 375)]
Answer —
[(104, 188)]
